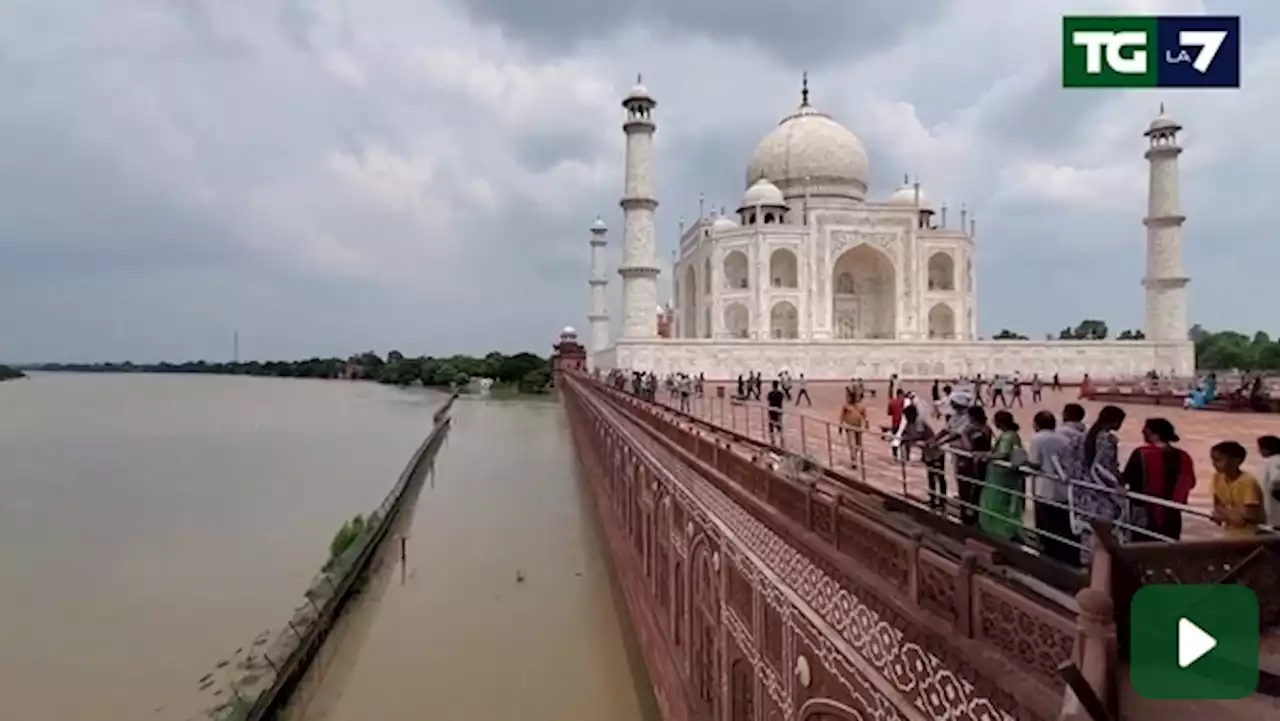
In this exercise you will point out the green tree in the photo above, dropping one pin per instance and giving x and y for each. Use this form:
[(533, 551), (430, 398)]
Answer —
[(1088, 329), (1006, 334)]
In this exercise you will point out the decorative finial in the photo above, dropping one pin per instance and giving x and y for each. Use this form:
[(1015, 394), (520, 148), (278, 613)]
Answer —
[(804, 89), (906, 179), (702, 205), (1162, 108), (639, 80)]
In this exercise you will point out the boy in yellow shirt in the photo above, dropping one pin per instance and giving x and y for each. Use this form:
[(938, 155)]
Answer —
[(1237, 495)]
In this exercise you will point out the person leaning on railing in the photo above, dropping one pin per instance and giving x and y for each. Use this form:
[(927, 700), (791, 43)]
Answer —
[(1047, 453), (1003, 497), (969, 432), (916, 431), (1101, 497), (1159, 469)]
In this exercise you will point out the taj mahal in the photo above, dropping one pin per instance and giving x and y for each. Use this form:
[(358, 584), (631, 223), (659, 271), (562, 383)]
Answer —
[(813, 275)]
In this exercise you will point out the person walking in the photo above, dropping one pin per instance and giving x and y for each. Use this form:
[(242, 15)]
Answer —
[(802, 392), (775, 399)]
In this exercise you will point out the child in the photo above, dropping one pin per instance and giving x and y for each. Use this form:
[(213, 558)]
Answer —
[(1237, 495)]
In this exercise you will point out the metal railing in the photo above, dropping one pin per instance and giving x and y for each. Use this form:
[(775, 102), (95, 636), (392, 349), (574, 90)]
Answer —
[(868, 456)]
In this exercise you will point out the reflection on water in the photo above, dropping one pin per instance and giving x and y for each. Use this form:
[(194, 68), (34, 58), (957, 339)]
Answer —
[(150, 525), (462, 636)]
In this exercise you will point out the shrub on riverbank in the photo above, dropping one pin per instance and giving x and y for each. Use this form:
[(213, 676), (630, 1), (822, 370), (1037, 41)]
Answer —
[(9, 373), (346, 537)]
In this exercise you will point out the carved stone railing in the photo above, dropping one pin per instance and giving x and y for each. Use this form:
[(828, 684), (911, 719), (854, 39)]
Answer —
[(951, 601), (1252, 562)]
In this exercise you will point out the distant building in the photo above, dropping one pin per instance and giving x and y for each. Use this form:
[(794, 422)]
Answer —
[(569, 353)]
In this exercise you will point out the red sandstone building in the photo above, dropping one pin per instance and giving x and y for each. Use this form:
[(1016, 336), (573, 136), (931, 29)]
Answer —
[(569, 353)]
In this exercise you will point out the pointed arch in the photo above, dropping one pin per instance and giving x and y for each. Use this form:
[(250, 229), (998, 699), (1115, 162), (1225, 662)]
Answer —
[(942, 322), (864, 303), (737, 320), (784, 321), (942, 272), (784, 269), (736, 271)]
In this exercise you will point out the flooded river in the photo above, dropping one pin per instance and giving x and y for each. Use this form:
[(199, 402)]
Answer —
[(455, 633), (149, 525)]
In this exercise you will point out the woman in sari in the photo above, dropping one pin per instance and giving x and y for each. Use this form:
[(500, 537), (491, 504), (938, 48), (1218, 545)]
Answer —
[(1103, 499), (1159, 469), (1004, 495)]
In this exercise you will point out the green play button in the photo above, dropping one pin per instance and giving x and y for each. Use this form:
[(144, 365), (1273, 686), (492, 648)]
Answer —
[(1194, 642)]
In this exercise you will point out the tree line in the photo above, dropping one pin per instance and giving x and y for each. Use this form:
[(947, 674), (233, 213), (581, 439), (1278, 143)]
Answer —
[(523, 372), (9, 373)]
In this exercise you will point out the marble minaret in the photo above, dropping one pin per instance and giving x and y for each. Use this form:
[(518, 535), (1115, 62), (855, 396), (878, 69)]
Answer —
[(1165, 282), (599, 282), (639, 269)]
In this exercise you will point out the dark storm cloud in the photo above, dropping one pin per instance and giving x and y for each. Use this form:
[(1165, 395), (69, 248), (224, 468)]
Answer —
[(325, 177), (801, 33)]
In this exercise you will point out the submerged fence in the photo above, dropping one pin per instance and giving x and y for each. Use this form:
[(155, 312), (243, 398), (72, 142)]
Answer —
[(267, 677)]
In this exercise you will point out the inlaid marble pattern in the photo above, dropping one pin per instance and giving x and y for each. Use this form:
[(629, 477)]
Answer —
[(905, 672)]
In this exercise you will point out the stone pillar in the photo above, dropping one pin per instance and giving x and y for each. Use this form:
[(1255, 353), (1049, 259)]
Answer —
[(599, 282), (1165, 281), (639, 269)]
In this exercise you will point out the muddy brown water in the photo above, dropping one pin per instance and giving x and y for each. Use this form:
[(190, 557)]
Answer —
[(152, 525)]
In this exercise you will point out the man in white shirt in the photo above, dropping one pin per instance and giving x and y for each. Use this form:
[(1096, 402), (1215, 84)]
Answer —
[(1045, 453)]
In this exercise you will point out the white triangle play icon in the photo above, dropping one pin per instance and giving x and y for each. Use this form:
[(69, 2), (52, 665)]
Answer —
[(1193, 643)]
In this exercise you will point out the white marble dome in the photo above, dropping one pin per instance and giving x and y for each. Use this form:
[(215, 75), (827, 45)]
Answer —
[(723, 223), (1163, 122), (568, 331), (905, 195), (811, 145), (599, 225), (762, 192)]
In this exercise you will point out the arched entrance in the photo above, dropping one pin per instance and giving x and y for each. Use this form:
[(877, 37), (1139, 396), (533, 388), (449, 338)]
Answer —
[(783, 269), (864, 282), (689, 297), (735, 271), (942, 272), (737, 321), (784, 321), (942, 322)]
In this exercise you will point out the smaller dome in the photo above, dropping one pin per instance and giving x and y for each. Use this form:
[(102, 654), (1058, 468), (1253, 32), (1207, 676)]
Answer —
[(599, 224), (723, 223), (1163, 122), (763, 192), (661, 310), (568, 330), (638, 92), (905, 195)]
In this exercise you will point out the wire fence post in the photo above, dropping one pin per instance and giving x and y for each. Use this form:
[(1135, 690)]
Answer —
[(831, 456), (804, 439)]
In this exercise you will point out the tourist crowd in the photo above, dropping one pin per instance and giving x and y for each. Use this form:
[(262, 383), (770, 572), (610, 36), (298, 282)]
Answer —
[(1073, 463)]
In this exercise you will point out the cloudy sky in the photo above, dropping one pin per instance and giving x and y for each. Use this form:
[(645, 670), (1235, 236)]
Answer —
[(326, 176)]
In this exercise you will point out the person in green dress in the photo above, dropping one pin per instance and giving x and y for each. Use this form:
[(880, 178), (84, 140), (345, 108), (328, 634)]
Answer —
[(1004, 495)]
